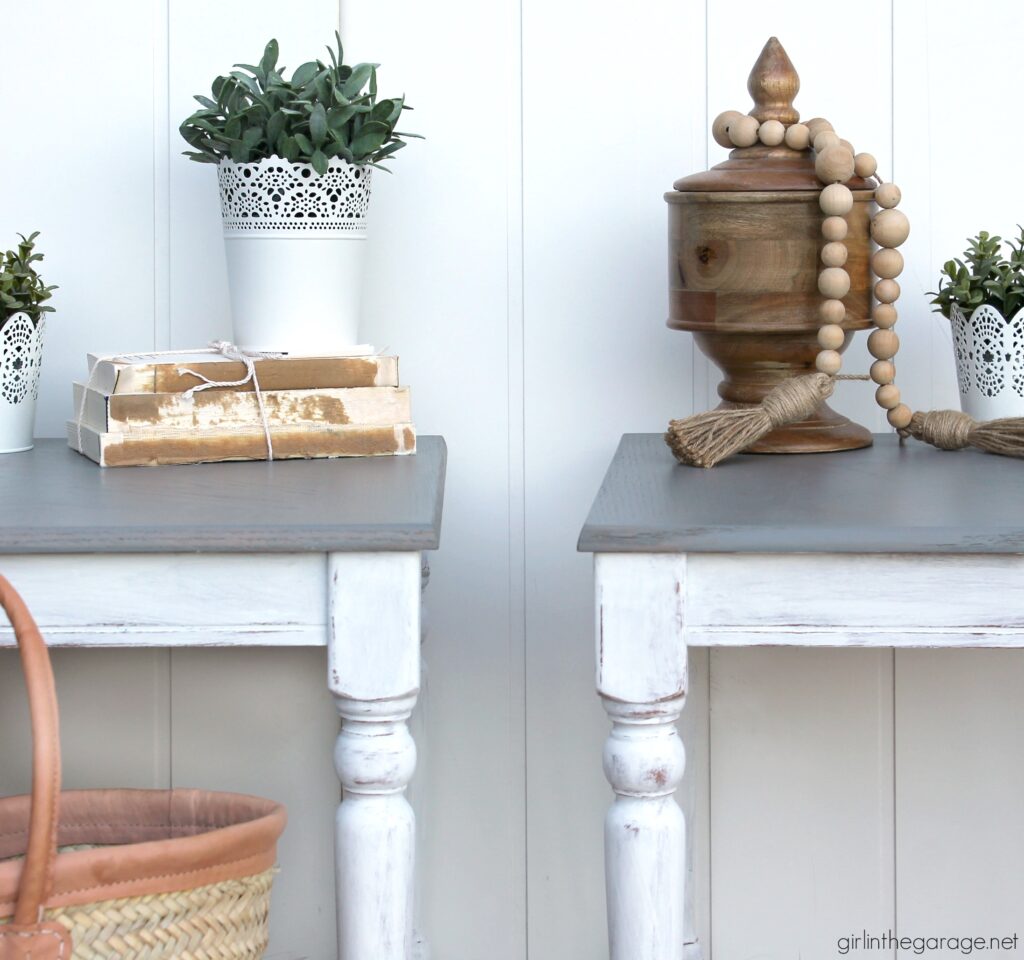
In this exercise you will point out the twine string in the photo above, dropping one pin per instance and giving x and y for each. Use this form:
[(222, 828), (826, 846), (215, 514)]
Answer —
[(249, 358)]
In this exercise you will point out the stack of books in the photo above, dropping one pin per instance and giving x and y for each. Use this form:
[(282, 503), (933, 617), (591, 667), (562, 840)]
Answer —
[(143, 411)]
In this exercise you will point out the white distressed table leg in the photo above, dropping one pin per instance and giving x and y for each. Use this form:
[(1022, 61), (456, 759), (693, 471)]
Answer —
[(641, 677), (374, 674)]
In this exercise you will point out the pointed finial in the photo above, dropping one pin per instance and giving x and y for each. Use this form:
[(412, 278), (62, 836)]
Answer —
[(773, 83)]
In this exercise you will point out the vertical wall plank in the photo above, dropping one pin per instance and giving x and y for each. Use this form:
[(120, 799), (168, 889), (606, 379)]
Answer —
[(87, 188), (801, 784), (440, 292), (115, 719), (204, 40), (613, 113), (958, 716), (260, 721), (959, 780)]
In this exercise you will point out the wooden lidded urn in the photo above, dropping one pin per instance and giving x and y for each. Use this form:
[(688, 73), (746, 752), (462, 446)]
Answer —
[(744, 256)]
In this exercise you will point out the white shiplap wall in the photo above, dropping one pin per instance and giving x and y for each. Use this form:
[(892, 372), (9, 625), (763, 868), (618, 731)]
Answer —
[(518, 267)]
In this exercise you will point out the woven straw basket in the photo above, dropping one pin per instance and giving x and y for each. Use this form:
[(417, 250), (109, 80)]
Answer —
[(127, 874)]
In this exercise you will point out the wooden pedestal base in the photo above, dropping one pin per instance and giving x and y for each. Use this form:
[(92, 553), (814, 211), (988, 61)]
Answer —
[(825, 432)]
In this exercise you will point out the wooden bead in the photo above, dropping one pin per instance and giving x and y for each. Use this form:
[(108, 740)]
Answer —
[(828, 361), (816, 125), (887, 264), (883, 315), (864, 165), (848, 145), (834, 165), (831, 336), (832, 311), (882, 371), (798, 137), (771, 133), (888, 195), (889, 228), (720, 128), (834, 254), (827, 138), (837, 201), (883, 344), (834, 283), (900, 416), (834, 228), (887, 291), (887, 396), (743, 131)]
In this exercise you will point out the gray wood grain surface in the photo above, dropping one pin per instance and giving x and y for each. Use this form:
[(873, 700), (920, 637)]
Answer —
[(53, 500), (892, 497)]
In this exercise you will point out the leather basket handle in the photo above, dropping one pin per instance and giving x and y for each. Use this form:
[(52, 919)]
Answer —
[(41, 853)]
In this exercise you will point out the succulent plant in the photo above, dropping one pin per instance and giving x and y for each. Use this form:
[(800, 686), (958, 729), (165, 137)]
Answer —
[(325, 110), (22, 289), (983, 276)]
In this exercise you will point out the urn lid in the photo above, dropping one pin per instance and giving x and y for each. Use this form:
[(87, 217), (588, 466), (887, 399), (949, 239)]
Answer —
[(773, 84)]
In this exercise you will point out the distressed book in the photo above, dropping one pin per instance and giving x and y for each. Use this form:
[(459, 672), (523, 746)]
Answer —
[(219, 409), (307, 441), (163, 372)]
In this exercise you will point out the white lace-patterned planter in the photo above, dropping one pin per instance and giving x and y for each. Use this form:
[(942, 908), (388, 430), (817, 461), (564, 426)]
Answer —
[(989, 352), (21, 355), (295, 243)]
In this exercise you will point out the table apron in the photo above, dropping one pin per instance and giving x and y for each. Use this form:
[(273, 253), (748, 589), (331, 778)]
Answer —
[(173, 599), (830, 599)]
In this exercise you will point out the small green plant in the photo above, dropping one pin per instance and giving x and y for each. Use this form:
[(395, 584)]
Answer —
[(983, 276), (22, 289), (325, 110)]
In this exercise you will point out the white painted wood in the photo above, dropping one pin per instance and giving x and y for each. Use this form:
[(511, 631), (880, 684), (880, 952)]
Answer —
[(444, 240), (913, 600), (695, 799), (98, 207), (641, 677), (373, 670), (802, 788), (173, 599), (261, 721), (959, 779)]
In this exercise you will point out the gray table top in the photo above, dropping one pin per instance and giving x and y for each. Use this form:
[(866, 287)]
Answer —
[(53, 500), (892, 497)]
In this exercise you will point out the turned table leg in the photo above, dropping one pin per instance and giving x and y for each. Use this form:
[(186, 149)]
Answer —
[(374, 673), (641, 677)]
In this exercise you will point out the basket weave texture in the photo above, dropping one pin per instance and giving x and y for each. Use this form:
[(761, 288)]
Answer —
[(126, 874), (222, 921)]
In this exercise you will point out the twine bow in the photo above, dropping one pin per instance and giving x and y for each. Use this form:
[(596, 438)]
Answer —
[(226, 349), (229, 350)]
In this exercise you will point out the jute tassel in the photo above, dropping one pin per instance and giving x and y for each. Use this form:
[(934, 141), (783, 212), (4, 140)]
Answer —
[(706, 439), (953, 430)]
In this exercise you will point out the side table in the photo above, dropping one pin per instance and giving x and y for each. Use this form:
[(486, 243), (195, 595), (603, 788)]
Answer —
[(885, 547), (291, 553)]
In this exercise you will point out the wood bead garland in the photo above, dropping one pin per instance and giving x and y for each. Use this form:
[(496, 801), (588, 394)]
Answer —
[(706, 439), (771, 133), (720, 128), (743, 131), (798, 137), (835, 164)]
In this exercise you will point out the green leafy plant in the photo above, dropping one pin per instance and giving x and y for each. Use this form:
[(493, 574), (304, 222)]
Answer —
[(983, 276), (22, 289), (325, 110)]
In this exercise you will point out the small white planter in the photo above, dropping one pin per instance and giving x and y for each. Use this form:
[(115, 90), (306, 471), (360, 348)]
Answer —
[(21, 355), (989, 352), (295, 245)]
